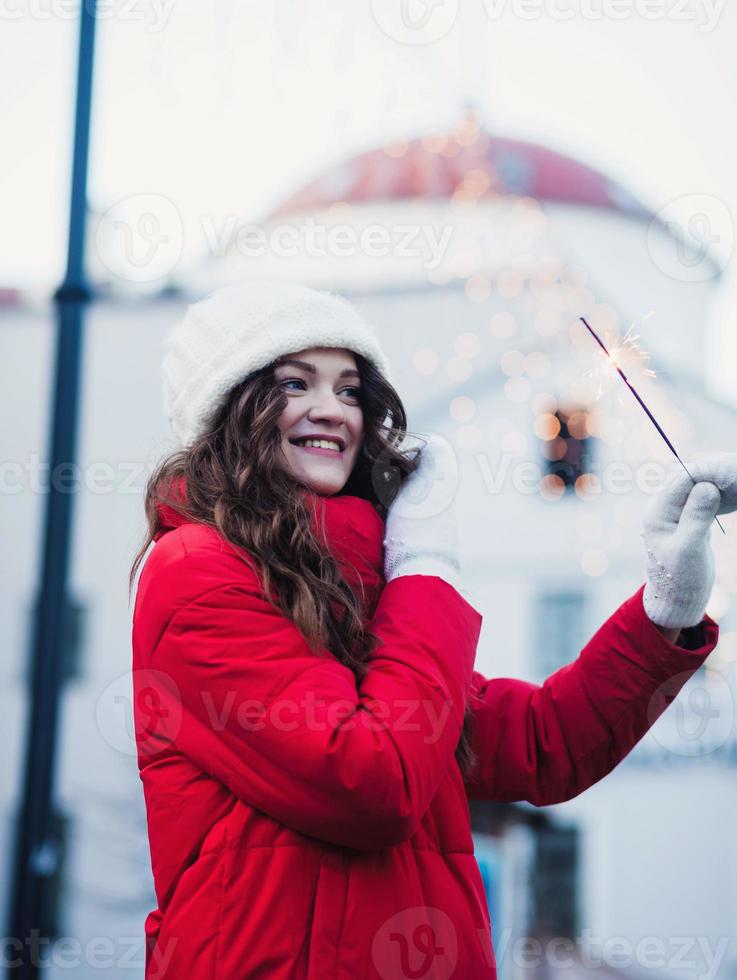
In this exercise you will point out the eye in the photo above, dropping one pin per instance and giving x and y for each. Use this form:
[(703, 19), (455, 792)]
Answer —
[(300, 381)]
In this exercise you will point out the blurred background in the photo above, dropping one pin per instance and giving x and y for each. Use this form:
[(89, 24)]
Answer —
[(476, 175)]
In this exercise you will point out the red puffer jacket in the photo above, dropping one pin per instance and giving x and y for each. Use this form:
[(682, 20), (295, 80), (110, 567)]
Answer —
[(302, 826)]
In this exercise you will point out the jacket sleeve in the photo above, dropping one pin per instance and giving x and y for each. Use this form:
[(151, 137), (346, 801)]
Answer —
[(289, 731), (546, 744)]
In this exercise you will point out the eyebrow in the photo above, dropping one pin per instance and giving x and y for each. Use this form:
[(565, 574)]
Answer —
[(306, 366)]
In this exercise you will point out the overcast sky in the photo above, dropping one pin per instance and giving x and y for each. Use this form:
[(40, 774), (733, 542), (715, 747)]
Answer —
[(222, 108)]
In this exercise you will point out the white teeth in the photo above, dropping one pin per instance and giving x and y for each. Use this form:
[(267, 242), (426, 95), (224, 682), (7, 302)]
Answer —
[(320, 444)]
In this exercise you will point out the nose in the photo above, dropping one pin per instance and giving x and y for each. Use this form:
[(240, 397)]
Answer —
[(326, 407)]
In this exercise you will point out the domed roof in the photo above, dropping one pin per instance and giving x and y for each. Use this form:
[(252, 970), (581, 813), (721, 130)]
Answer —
[(468, 164)]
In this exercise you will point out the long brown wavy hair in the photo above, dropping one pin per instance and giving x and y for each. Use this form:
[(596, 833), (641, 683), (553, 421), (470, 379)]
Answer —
[(234, 483)]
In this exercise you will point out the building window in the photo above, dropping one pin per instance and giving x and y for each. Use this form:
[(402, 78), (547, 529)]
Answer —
[(565, 444), (559, 633), (554, 892)]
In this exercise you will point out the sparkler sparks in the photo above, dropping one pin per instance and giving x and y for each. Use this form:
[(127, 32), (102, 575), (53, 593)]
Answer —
[(620, 353)]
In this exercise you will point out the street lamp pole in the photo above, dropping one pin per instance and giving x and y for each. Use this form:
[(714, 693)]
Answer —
[(37, 849)]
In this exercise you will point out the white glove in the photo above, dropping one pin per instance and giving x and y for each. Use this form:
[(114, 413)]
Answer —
[(421, 525), (679, 563)]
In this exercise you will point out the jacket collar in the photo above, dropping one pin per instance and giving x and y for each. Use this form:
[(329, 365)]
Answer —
[(351, 527)]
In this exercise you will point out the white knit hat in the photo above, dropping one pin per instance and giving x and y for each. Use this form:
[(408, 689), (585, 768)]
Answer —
[(238, 329)]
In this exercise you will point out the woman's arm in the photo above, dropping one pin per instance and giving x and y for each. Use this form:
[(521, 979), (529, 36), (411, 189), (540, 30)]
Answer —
[(237, 690), (546, 744)]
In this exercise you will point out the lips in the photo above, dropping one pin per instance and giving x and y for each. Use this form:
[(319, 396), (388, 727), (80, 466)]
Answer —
[(299, 440), (318, 450)]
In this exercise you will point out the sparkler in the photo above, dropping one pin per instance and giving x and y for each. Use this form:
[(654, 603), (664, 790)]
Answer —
[(629, 343), (625, 348)]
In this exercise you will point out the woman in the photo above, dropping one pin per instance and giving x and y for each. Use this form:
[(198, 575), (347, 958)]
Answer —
[(309, 722)]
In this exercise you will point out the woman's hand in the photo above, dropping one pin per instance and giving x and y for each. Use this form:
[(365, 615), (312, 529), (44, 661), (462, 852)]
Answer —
[(421, 525), (679, 563)]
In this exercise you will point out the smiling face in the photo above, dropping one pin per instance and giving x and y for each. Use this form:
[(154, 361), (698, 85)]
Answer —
[(323, 386)]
